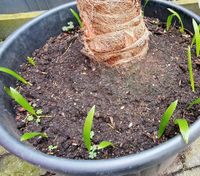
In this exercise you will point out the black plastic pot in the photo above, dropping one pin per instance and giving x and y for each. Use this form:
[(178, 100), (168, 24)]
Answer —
[(32, 36)]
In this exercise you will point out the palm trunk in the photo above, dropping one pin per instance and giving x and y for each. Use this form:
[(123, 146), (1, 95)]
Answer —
[(114, 30)]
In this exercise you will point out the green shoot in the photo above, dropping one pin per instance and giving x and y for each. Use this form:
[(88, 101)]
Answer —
[(145, 4), (196, 37), (184, 128), (170, 18), (14, 74), (104, 144), (30, 117), (14, 94), (88, 135), (31, 61), (195, 102), (190, 69), (52, 147), (166, 118), (27, 136), (69, 27), (87, 128), (77, 17)]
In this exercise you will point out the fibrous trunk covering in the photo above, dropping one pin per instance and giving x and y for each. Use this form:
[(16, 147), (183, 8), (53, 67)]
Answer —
[(114, 30)]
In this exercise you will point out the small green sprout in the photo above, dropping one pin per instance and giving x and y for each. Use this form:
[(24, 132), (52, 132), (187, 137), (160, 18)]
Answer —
[(145, 3), (190, 69), (88, 135), (196, 38), (30, 117), (77, 17), (195, 102), (31, 61), (28, 136), (14, 74), (170, 18), (52, 147), (184, 128), (69, 27), (166, 118), (14, 94)]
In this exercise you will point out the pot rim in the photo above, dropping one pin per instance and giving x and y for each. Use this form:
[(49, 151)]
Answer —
[(132, 162)]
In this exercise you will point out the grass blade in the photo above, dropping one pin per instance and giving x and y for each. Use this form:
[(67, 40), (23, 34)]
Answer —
[(76, 15), (195, 102), (14, 94), (184, 129), (190, 69), (104, 144), (166, 117), (169, 21), (87, 128), (179, 18), (14, 74), (27, 136), (197, 37)]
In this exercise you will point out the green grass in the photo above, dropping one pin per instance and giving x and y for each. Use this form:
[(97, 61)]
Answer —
[(190, 69), (196, 38), (14, 94), (28, 136), (170, 18), (77, 17), (195, 102), (166, 118), (88, 135), (184, 129), (14, 74)]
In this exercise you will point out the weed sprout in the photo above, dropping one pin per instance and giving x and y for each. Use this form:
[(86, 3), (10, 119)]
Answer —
[(31, 61), (166, 118), (170, 18), (14, 74), (28, 136), (77, 17), (88, 135), (190, 69), (196, 38)]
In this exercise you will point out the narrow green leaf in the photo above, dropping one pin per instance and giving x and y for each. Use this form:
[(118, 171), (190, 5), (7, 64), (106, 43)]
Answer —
[(14, 94), (169, 21), (27, 136), (184, 128), (190, 69), (104, 144), (87, 128), (166, 117), (195, 102), (14, 74), (145, 3), (179, 18), (76, 15), (197, 37)]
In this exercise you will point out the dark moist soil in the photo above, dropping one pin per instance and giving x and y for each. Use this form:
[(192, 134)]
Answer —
[(130, 100)]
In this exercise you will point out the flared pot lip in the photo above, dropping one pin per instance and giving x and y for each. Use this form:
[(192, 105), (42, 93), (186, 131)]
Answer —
[(132, 162)]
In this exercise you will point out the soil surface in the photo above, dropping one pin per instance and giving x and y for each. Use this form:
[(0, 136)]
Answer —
[(130, 99)]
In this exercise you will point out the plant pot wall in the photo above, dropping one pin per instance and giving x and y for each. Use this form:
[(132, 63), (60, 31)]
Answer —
[(32, 36), (17, 6)]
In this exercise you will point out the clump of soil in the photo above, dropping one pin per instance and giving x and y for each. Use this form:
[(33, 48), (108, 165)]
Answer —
[(130, 100)]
